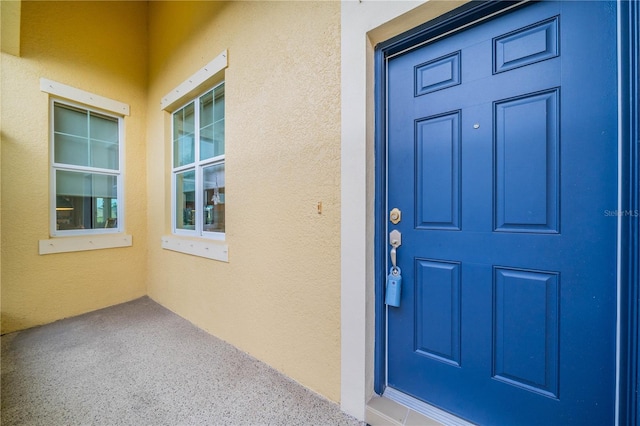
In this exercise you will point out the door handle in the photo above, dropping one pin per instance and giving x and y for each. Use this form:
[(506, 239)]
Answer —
[(395, 240), (394, 280)]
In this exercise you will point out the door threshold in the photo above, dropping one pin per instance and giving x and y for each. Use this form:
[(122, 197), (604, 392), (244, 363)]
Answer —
[(399, 409)]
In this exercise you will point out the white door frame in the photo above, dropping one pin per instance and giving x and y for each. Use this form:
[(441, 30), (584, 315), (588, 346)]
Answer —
[(364, 24)]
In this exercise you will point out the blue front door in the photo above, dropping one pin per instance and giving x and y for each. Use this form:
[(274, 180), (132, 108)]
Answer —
[(502, 158)]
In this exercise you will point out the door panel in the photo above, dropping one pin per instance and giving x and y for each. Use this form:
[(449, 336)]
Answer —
[(438, 172), (527, 172), (502, 157), (438, 310), (525, 329)]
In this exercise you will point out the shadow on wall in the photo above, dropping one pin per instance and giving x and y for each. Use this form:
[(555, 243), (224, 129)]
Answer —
[(187, 23)]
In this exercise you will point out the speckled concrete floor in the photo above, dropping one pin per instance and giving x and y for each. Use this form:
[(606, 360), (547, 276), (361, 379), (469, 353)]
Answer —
[(140, 364)]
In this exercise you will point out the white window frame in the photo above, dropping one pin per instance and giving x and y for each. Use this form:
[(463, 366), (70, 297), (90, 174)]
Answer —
[(85, 241), (117, 173), (198, 166), (195, 84)]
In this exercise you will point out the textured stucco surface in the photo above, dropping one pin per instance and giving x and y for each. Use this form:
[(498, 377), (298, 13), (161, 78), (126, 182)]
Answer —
[(278, 297), (99, 47), (10, 26)]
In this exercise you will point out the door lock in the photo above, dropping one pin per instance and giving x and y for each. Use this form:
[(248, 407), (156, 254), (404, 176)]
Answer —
[(395, 216)]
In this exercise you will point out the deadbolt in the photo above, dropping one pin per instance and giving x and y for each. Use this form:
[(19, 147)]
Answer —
[(395, 216)]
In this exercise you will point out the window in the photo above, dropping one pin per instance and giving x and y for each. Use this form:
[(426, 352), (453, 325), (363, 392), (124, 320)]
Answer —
[(86, 170), (198, 166)]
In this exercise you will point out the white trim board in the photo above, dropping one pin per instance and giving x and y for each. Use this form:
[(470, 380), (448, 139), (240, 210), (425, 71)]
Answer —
[(209, 249), (93, 242), (84, 97), (195, 82)]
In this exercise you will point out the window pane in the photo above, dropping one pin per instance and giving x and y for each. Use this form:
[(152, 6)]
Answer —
[(85, 184), (104, 142), (106, 213), (186, 200), (206, 126), (71, 150), (206, 109), (218, 120), (70, 121), (212, 123), (218, 111), (104, 155), (183, 136), (104, 128), (71, 145), (214, 189), (86, 200)]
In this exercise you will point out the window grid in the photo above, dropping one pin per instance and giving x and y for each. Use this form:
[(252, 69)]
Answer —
[(181, 216), (85, 213)]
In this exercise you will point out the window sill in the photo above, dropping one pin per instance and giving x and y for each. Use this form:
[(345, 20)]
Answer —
[(211, 249), (83, 243)]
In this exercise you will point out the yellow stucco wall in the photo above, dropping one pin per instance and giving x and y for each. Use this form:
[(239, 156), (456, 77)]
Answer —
[(278, 297), (10, 26), (99, 47)]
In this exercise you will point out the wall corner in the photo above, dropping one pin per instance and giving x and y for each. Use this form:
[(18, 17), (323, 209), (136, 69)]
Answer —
[(10, 26)]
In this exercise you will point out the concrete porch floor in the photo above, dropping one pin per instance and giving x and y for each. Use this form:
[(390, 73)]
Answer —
[(140, 364)]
